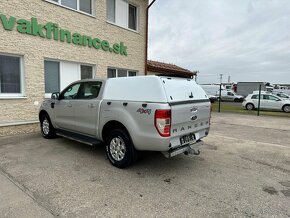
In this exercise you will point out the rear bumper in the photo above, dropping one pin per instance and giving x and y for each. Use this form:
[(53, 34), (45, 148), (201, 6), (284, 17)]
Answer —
[(186, 149)]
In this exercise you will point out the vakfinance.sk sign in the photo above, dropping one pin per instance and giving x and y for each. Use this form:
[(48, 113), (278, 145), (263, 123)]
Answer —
[(53, 31)]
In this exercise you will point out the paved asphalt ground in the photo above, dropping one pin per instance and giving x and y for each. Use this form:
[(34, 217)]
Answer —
[(243, 171)]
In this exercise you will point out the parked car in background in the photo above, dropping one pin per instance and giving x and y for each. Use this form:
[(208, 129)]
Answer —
[(212, 98), (267, 101), (227, 95)]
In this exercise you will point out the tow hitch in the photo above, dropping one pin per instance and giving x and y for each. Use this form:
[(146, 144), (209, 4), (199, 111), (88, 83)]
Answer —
[(192, 151), (187, 149)]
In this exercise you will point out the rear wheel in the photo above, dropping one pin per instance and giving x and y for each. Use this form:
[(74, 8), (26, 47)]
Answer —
[(119, 148), (250, 106), (286, 108), (47, 129)]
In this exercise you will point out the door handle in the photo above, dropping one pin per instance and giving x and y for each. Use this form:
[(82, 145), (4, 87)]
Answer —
[(91, 105)]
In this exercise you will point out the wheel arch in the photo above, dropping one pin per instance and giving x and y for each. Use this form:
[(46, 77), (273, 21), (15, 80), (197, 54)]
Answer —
[(285, 106), (251, 104), (111, 125), (41, 113)]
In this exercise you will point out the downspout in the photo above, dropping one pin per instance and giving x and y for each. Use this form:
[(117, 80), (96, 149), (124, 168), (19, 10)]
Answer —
[(146, 43)]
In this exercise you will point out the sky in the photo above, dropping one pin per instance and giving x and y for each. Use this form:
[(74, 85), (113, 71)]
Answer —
[(248, 40)]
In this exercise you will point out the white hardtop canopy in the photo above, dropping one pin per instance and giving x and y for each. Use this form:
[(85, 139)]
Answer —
[(153, 89)]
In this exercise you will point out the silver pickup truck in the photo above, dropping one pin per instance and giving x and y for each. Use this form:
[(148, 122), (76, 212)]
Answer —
[(131, 114)]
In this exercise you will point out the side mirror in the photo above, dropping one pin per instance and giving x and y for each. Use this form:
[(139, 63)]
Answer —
[(55, 95)]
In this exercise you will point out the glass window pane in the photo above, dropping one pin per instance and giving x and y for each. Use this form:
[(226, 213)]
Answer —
[(10, 78), (90, 90), (122, 73), (86, 6), (132, 17), (86, 72), (272, 98), (266, 97), (71, 92), (111, 7), (132, 73), (51, 76), (111, 73), (254, 96), (69, 3)]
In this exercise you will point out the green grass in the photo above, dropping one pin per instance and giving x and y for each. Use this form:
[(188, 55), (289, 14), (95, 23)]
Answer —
[(238, 108)]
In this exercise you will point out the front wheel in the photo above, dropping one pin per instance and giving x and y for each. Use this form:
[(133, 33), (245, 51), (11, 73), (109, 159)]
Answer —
[(249, 106), (47, 129), (119, 148), (286, 108)]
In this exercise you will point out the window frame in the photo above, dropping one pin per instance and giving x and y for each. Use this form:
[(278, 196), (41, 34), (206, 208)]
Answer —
[(93, 7), (22, 93), (117, 70), (137, 16), (127, 16), (88, 65), (48, 95)]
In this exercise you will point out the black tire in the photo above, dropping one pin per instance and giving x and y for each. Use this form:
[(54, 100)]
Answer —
[(236, 100), (250, 106), (286, 108), (120, 149), (47, 130)]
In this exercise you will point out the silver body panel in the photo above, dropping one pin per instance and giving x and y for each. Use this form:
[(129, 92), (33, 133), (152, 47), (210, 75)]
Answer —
[(88, 117)]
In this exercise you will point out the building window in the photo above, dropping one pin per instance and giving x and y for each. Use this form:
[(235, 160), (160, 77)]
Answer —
[(111, 8), (11, 76), (113, 72), (59, 74), (85, 6), (132, 73), (123, 14), (86, 72), (132, 17), (51, 76)]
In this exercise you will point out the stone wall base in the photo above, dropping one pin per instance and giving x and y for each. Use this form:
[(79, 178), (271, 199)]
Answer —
[(19, 129)]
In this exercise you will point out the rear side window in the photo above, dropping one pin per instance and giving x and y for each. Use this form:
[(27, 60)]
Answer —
[(255, 97), (266, 97), (90, 90)]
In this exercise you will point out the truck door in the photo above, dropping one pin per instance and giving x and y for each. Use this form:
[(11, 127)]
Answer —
[(274, 102), (230, 96), (87, 108), (63, 108)]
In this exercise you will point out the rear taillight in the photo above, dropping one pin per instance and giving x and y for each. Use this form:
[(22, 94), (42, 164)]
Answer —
[(162, 122)]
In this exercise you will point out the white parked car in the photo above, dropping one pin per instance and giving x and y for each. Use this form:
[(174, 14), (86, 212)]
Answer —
[(227, 95), (268, 101)]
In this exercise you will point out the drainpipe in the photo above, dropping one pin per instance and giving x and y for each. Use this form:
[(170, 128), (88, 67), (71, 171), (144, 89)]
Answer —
[(146, 43)]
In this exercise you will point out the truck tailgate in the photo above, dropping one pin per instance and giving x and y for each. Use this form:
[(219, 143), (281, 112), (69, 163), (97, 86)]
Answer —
[(190, 110), (189, 118), (189, 123)]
